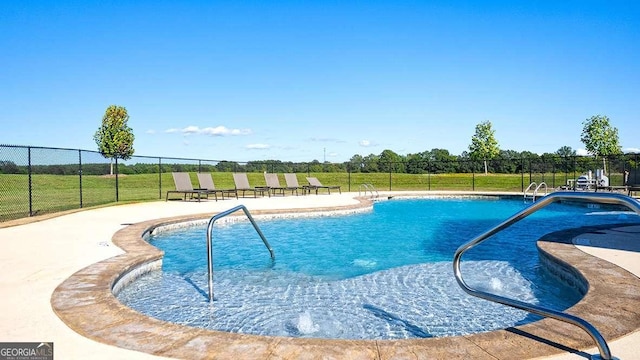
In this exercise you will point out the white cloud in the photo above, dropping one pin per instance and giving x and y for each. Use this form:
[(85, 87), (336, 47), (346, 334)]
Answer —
[(150, 131), (258, 146), (190, 130), (582, 152), (211, 131), (366, 143)]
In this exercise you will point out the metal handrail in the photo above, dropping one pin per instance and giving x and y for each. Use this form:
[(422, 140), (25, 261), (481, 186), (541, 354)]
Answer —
[(210, 245), (601, 198), (370, 188), (532, 185), (535, 192)]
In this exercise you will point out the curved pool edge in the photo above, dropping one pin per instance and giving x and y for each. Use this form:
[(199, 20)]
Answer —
[(85, 302)]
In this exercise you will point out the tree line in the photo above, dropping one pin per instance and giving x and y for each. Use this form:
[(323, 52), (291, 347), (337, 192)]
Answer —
[(435, 161)]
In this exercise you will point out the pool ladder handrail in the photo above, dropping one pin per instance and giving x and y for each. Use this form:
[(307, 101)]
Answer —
[(601, 198), (535, 191), (370, 188), (210, 242)]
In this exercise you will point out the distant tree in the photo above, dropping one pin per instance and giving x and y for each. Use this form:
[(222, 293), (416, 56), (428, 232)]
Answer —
[(356, 163), (507, 162), (114, 137), (566, 155), (484, 145), (315, 166), (389, 161), (565, 151), (226, 166), (465, 163), (417, 163), (9, 167), (370, 163), (600, 138), (442, 161)]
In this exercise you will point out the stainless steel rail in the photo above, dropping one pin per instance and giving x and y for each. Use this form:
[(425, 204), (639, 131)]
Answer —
[(616, 199), (210, 245), (370, 188), (535, 192), (533, 196), (536, 187)]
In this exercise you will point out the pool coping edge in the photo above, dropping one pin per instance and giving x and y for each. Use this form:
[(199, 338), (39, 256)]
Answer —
[(85, 302)]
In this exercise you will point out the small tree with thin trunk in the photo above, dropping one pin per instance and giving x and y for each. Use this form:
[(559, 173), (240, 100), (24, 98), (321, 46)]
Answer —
[(600, 138), (114, 137), (484, 145)]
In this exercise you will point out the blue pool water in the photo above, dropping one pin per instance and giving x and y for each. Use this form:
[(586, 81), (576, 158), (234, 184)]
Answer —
[(384, 274)]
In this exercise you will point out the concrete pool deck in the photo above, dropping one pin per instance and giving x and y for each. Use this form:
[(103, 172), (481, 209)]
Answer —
[(37, 256)]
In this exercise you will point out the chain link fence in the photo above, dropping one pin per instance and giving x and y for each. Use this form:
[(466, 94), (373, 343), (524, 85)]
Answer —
[(39, 180)]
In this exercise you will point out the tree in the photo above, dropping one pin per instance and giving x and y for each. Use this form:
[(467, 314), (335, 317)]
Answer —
[(442, 161), (565, 160), (600, 138), (390, 161), (565, 151), (417, 163), (356, 163), (114, 137), (484, 145), (370, 164)]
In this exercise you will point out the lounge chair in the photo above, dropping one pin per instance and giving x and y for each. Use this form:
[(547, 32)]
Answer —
[(292, 184), (314, 184), (273, 183), (182, 182), (242, 184), (206, 182)]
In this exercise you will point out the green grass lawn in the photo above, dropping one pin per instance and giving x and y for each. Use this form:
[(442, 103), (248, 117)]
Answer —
[(52, 193)]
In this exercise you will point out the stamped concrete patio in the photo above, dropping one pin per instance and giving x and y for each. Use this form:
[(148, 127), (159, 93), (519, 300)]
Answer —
[(75, 252)]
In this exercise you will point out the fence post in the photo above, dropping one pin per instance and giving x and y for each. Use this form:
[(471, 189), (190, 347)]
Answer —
[(30, 182), (574, 173), (522, 174), (160, 178), (389, 176), (429, 174), (117, 195), (80, 174), (349, 177), (473, 176)]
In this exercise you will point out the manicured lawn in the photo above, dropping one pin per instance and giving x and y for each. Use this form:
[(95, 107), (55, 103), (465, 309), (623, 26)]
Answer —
[(51, 193)]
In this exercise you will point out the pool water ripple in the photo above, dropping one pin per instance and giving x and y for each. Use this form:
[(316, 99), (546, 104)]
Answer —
[(378, 280), (390, 304)]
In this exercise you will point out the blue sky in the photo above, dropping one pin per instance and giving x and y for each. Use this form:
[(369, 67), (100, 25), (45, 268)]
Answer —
[(324, 80)]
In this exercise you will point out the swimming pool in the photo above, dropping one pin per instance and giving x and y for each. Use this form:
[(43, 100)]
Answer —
[(388, 276)]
